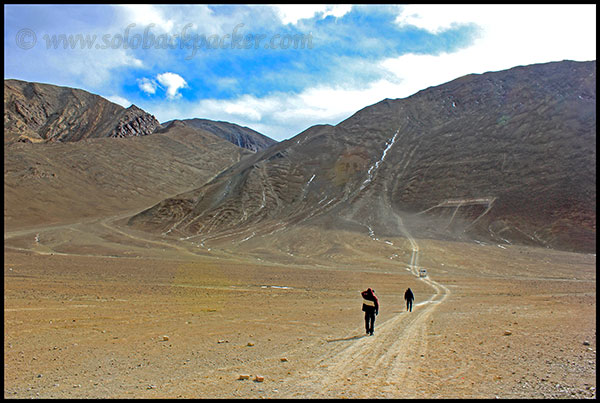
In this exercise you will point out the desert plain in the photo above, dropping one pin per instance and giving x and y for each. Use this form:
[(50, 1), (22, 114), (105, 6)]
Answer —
[(94, 309)]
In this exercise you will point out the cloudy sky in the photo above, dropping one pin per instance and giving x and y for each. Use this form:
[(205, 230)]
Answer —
[(280, 69)]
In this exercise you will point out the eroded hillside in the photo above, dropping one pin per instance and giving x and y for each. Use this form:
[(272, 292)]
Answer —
[(239, 135), (68, 182), (35, 112), (506, 156)]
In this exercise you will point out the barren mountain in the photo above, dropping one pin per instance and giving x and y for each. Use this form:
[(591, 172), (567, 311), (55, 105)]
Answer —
[(98, 309), (239, 135), (503, 157), (35, 112), (51, 183)]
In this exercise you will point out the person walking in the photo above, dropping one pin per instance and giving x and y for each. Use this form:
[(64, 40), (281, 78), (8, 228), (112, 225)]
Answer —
[(371, 308), (409, 297)]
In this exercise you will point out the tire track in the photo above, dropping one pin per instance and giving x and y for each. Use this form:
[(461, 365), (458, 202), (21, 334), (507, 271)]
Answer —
[(386, 365)]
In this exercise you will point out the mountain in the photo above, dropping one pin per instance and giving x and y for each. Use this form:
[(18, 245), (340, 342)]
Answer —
[(67, 182), (504, 157), (82, 157), (239, 135), (35, 112)]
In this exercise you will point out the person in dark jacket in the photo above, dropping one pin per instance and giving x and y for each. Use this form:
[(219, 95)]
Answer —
[(371, 308), (409, 297)]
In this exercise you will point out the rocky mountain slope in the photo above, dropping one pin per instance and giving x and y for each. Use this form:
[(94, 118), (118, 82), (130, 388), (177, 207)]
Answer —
[(60, 182), (503, 157), (35, 112), (239, 135)]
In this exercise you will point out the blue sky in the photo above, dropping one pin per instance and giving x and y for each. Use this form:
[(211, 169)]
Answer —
[(239, 63)]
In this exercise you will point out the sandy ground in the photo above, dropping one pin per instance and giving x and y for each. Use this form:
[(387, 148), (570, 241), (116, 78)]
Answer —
[(510, 322)]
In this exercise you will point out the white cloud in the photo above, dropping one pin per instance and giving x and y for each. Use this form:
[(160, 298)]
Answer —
[(170, 81), (338, 10), (147, 85), (91, 67), (292, 13), (438, 17), (173, 82), (146, 14), (172, 20), (511, 35)]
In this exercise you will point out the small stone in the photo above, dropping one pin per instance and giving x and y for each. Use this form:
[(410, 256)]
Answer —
[(250, 344), (40, 375), (284, 359), (586, 343), (165, 338), (151, 387), (244, 376), (259, 378), (507, 332), (223, 341)]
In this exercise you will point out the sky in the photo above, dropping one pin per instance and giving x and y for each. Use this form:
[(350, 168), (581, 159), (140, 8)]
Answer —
[(280, 69)]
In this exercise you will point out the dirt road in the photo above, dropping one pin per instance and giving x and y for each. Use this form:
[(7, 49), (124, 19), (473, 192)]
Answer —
[(85, 326), (386, 365)]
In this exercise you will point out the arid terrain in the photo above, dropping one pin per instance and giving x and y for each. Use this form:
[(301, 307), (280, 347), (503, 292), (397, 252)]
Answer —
[(199, 259), (87, 307)]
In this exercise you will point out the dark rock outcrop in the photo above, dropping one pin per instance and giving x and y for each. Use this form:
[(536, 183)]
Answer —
[(241, 136), (35, 112), (135, 122)]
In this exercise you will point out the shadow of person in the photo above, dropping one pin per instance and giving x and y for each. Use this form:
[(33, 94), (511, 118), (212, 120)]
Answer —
[(347, 338)]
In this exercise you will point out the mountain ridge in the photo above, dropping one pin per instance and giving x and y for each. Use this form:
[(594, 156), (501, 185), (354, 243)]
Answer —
[(38, 112), (241, 136), (501, 157)]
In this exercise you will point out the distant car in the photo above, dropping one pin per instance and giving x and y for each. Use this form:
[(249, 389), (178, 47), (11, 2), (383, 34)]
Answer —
[(423, 273)]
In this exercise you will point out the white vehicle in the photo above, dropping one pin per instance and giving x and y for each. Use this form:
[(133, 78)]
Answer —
[(422, 273)]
